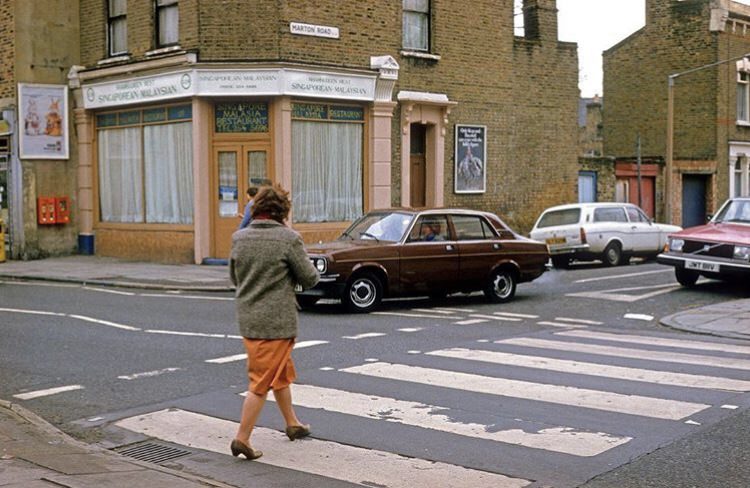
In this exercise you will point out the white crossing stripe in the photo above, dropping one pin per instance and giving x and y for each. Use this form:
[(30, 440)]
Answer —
[(304, 344), (519, 315), (623, 352), (148, 374), (612, 277), (411, 329), (658, 341), (558, 439), (417, 315), (472, 322), (639, 316), (355, 465), (49, 391), (366, 335), (227, 359), (626, 297), (594, 369), (459, 310), (562, 395), (578, 321), (559, 324), (433, 310), (495, 317)]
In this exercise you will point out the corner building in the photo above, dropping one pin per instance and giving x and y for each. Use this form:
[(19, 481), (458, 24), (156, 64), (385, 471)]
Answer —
[(179, 106)]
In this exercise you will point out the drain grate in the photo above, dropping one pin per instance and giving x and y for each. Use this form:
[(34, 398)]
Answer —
[(152, 452)]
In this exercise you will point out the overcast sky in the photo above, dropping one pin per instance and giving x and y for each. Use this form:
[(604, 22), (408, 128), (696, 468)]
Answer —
[(597, 25)]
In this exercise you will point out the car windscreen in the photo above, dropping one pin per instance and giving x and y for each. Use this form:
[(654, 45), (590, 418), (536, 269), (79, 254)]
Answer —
[(379, 226), (553, 218), (737, 211)]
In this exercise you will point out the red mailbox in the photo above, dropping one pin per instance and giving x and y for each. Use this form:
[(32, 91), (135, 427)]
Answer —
[(62, 210), (45, 210)]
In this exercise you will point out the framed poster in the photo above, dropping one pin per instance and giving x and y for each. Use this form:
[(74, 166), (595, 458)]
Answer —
[(470, 159), (43, 121)]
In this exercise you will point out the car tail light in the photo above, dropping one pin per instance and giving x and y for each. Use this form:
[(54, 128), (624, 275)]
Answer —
[(583, 236)]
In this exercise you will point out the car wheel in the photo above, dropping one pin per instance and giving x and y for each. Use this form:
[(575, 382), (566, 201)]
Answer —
[(686, 277), (501, 287), (363, 293), (306, 302), (612, 254), (562, 262)]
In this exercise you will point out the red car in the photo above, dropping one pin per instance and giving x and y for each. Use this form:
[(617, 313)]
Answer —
[(719, 249)]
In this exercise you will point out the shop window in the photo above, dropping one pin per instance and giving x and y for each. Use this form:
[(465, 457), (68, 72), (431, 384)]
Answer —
[(416, 25), (117, 27), (327, 153), (167, 22), (743, 97), (146, 166)]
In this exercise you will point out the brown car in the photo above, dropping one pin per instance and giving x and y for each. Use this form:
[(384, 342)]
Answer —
[(404, 252)]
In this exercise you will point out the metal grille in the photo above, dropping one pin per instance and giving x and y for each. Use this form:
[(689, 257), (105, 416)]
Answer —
[(715, 250), (152, 452)]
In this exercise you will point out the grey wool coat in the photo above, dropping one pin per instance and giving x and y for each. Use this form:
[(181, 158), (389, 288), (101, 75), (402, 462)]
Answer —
[(266, 261)]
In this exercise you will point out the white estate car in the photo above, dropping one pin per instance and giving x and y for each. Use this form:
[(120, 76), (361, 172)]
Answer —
[(612, 232)]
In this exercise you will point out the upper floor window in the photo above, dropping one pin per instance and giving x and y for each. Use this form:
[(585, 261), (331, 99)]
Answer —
[(167, 22), (743, 96), (416, 26), (117, 26)]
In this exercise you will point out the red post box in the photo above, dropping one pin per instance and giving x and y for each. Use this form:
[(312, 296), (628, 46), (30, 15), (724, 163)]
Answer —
[(45, 210), (62, 210)]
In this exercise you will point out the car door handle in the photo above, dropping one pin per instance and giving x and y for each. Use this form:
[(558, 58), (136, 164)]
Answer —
[(449, 247), (496, 246)]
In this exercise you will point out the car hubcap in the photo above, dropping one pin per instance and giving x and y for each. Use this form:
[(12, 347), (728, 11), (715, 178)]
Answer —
[(362, 293), (502, 285), (612, 255)]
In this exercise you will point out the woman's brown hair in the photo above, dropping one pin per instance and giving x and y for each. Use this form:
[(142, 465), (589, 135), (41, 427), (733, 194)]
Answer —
[(272, 202)]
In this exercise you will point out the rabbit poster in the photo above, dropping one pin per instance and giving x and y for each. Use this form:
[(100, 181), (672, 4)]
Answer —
[(43, 128)]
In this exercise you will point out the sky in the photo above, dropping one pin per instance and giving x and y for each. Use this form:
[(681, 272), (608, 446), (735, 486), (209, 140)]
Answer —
[(597, 25)]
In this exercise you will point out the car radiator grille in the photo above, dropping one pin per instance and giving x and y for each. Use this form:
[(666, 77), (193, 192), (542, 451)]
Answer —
[(714, 249)]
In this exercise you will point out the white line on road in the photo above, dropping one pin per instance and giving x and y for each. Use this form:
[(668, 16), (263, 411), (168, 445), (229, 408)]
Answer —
[(227, 359), (578, 321), (519, 315), (657, 341), (495, 317), (622, 352), (49, 391), (191, 297), (595, 369), (624, 297), (148, 374), (324, 458), (557, 439), (104, 322), (113, 292), (410, 329), (32, 312), (304, 344), (559, 324), (628, 275), (417, 315), (472, 322), (433, 310), (561, 395), (191, 334), (458, 310), (639, 316), (366, 335)]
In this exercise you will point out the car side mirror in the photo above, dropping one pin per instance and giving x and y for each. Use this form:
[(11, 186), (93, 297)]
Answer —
[(709, 217)]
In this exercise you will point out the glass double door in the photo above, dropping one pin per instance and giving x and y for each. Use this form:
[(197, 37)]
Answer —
[(235, 167)]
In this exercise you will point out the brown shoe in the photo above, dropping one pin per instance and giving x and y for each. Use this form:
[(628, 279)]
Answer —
[(297, 431), (239, 447)]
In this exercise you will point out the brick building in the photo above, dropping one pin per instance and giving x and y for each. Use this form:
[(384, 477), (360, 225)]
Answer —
[(178, 106), (702, 42)]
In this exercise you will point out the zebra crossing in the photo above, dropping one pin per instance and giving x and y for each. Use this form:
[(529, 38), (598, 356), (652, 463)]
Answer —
[(555, 407)]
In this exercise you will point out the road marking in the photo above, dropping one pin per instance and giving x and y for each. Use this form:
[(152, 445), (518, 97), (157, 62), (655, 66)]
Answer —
[(639, 316), (472, 322), (614, 277), (191, 334), (623, 297), (692, 422), (411, 329), (105, 322), (730, 407), (417, 315), (433, 310), (148, 374), (622, 352), (559, 324), (557, 439), (304, 344), (366, 335), (191, 297), (495, 317), (458, 310), (595, 369), (49, 391), (657, 341), (562, 395), (240, 357), (314, 456), (113, 292), (519, 315), (578, 321), (32, 312)]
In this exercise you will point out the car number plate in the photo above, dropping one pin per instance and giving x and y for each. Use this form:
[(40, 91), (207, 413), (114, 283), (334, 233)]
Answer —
[(702, 266), (555, 240), (297, 288)]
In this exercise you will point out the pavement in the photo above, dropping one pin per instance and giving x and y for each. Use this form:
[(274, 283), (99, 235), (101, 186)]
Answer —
[(35, 454)]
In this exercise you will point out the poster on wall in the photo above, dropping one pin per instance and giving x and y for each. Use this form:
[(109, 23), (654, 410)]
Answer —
[(470, 159), (43, 120)]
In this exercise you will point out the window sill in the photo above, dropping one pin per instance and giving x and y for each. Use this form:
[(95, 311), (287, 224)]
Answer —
[(113, 60), (163, 50), (743, 123), (420, 55)]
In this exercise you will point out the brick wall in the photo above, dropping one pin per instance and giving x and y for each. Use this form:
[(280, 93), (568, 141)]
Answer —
[(7, 50)]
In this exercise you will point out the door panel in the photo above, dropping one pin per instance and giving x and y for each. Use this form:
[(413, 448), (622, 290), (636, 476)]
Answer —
[(429, 259), (693, 200)]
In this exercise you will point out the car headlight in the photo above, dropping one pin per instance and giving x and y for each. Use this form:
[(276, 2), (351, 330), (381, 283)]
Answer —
[(741, 252), (676, 245), (320, 264)]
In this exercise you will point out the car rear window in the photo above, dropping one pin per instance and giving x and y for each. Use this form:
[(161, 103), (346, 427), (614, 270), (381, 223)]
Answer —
[(610, 214), (568, 216)]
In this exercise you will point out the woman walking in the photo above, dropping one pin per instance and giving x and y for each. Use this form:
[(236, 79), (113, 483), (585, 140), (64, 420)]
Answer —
[(266, 261)]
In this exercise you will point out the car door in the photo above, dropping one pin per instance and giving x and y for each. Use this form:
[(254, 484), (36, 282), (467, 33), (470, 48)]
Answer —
[(479, 248), (644, 234), (429, 263), (609, 223)]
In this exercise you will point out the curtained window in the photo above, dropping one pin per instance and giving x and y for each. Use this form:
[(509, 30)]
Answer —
[(326, 171), (416, 25), (117, 26), (169, 173), (120, 175), (167, 22)]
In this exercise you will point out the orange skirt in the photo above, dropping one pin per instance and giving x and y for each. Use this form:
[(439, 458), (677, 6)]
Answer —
[(269, 364)]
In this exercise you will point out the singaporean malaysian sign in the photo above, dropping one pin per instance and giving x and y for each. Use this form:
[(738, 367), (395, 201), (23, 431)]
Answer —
[(250, 82)]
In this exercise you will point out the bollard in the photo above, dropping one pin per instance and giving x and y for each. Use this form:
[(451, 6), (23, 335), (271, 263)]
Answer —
[(2, 241)]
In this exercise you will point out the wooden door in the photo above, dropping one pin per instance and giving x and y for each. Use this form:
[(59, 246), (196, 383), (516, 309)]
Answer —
[(418, 163)]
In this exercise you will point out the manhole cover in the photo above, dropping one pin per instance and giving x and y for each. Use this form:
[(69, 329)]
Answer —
[(152, 452)]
